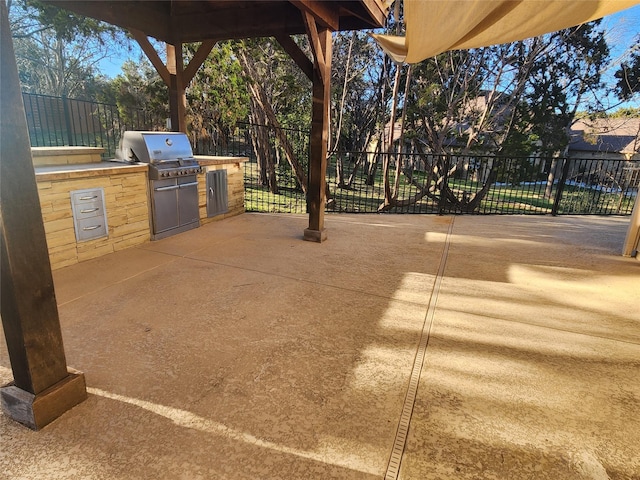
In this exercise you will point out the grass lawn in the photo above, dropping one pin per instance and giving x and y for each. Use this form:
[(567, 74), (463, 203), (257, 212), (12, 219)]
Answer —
[(500, 199)]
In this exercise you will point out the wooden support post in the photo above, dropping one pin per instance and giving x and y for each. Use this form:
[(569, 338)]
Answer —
[(177, 88), (316, 195), (43, 387)]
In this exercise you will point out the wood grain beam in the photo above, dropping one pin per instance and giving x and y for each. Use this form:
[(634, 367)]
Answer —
[(228, 21), (316, 45), (177, 87), (316, 194), (372, 12), (325, 13), (198, 59), (150, 17), (28, 304), (42, 387), (296, 54), (151, 54)]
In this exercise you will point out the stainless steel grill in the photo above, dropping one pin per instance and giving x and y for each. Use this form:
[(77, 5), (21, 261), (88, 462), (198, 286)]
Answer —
[(173, 180)]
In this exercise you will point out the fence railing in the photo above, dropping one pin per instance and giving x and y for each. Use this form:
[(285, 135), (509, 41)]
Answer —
[(441, 183), (484, 185), (480, 185), (357, 181), (59, 121)]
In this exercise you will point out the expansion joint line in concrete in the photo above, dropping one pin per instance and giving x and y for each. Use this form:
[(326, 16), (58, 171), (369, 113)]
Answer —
[(393, 467)]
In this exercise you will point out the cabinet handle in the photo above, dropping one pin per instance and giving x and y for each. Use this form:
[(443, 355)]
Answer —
[(89, 210), (163, 189), (93, 227), (89, 198)]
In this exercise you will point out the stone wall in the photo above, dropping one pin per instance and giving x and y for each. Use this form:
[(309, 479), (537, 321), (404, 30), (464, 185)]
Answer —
[(62, 170), (235, 190), (126, 205)]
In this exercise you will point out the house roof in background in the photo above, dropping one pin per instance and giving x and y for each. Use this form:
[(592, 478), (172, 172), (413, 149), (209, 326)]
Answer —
[(606, 135)]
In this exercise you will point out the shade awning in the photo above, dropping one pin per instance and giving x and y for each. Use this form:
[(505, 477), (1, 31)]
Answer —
[(436, 26)]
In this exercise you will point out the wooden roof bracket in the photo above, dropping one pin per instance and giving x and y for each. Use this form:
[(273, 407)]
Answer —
[(316, 45), (151, 54), (188, 73), (298, 56), (323, 12), (174, 74)]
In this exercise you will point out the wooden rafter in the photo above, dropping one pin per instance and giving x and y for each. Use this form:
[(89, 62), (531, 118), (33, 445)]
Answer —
[(198, 59), (151, 54), (194, 21), (325, 13), (316, 46), (296, 54)]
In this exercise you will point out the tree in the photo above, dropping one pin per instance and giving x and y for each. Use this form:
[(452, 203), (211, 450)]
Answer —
[(457, 101), (628, 75), (217, 96), (564, 80), (137, 89), (359, 76), (508, 98), (279, 97), (57, 51)]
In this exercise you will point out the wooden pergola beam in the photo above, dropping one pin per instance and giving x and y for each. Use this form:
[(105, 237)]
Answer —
[(151, 54), (298, 56), (316, 44), (174, 74), (325, 15), (198, 59), (177, 88)]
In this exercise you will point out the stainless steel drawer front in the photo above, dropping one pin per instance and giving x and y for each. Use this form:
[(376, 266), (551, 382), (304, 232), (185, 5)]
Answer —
[(89, 215)]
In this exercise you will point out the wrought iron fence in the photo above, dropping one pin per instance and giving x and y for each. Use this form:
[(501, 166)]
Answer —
[(482, 184), (441, 183), (60, 121), (356, 182)]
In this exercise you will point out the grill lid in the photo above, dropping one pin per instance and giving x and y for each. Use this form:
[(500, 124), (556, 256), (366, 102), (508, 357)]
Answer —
[(153, 147)]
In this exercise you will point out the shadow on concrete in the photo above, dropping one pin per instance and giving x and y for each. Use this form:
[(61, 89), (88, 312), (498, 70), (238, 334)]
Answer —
[(239, 351)]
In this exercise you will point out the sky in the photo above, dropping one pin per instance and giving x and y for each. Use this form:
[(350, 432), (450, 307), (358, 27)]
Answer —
[(623, 26)]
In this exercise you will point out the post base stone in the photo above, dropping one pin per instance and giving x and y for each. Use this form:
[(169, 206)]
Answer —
[(37, 411), (318, 236)]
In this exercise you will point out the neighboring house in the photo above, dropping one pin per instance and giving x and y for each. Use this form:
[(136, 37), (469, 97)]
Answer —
[(606, 138), (602, 138)]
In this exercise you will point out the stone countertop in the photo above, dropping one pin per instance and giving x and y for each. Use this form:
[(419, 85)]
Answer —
[(96, 169), (65, 150), (82, 170), (205, 160)]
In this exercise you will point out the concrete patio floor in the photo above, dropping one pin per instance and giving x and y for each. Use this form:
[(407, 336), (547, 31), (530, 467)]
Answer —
[(412, 347)]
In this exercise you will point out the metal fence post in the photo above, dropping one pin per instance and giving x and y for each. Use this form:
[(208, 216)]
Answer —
[(67, 119), (563, 179), (445, 179)]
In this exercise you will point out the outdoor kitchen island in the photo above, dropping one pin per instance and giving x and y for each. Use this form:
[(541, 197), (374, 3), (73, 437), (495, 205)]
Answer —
[(92, 207)]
